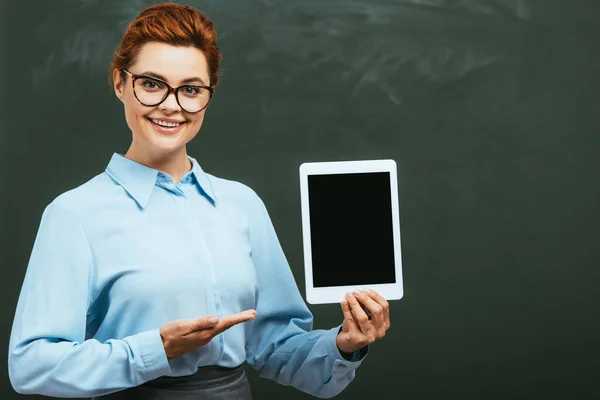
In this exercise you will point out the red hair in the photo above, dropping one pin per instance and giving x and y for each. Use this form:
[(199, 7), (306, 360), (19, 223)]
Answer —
[(173, 24)]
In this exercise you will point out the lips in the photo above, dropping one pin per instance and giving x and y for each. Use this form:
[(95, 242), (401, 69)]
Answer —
[(167, 122), (166, 129)]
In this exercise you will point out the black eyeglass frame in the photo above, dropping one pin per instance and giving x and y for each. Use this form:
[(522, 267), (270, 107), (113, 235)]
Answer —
[(170, 90)]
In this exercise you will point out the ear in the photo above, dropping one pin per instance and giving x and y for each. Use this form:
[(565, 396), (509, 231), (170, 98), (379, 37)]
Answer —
[(118, 84)]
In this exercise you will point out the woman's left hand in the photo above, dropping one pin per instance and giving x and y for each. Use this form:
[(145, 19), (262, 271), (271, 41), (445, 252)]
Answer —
[(360, 329)]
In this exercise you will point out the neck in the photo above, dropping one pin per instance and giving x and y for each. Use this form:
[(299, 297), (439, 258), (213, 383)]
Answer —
[(176, 164)]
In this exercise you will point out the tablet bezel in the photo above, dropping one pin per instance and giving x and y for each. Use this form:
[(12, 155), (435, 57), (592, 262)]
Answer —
[(335, 294)]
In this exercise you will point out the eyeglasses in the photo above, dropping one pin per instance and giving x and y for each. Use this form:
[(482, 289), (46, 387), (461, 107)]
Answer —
[(151, 92)]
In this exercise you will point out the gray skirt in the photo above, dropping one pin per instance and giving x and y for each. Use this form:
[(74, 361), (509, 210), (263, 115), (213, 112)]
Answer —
[(208, 383)]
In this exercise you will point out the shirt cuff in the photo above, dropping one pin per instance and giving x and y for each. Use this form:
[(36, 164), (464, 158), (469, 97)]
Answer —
[(357, 355), (153, 354), (360, 354)]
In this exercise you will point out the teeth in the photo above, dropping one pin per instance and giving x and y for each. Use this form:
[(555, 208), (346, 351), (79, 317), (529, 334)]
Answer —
[(167, 124)]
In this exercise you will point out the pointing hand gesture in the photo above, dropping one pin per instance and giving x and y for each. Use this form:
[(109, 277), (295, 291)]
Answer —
[(182, 336)]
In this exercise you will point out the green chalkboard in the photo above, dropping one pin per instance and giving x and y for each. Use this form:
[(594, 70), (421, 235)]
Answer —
[(489, 107)]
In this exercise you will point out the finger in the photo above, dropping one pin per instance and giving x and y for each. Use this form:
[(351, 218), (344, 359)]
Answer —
[(212, 321), (349, 321), (365, 309), (382, 302), (234, 319), (350, 328), (205, 322), (359, 314), (375, 309)]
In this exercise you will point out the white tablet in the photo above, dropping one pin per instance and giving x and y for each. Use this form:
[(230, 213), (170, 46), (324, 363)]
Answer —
[(351, 229)]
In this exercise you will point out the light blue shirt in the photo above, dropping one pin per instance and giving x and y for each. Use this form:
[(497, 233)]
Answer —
[(129, 251)]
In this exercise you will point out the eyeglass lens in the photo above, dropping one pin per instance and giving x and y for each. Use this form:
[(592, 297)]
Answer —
[(151, 92)]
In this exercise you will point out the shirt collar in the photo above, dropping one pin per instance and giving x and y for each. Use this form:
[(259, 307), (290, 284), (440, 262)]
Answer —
[(139, 180)]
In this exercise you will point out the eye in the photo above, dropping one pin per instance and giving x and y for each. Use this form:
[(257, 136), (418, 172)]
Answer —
[(150, 84), (190, 90)]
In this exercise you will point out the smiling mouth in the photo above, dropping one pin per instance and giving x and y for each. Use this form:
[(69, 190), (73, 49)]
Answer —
[(166, 124)]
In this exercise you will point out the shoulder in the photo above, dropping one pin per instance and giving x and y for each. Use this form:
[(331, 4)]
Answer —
[(230, 191), (83, 199)]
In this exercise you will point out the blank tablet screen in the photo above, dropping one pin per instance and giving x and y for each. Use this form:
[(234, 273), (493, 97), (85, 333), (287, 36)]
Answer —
[(351, 229)]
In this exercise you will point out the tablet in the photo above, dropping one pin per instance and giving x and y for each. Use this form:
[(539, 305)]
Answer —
[(351, 229)]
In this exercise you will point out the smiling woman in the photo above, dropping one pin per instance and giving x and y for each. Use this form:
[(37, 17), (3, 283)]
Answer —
[(167, 45), (162, 123), (155, 279)]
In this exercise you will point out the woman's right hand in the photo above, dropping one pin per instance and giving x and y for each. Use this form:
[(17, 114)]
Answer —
[(182, 336)]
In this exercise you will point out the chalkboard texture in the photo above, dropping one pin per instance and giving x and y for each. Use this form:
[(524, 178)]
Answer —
[(489, 107)]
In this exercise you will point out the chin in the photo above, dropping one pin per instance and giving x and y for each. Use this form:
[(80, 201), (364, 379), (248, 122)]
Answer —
[(165, 142), (165, 145)]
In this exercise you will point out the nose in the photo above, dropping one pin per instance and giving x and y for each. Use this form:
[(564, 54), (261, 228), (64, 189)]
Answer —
[(170, 103)]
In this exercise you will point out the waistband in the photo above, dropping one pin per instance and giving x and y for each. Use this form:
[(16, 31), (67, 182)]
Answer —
[(205, 377)]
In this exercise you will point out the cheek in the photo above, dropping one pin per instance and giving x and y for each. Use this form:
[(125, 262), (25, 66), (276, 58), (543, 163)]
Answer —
[(196, 124), (134, 114)]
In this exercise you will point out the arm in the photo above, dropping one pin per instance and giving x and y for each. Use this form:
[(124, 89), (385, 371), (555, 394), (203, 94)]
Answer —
[(48, 353), (282, 344)]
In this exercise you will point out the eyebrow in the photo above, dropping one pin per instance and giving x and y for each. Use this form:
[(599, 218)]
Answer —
[(187, 80)]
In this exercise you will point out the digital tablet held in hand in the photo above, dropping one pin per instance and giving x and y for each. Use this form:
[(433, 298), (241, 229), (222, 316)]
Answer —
[(351, 229)]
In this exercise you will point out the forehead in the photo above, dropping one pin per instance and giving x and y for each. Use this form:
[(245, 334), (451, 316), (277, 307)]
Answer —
[(173, 62)]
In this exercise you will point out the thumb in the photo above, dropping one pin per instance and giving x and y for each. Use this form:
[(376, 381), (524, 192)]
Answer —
[(204, 322)]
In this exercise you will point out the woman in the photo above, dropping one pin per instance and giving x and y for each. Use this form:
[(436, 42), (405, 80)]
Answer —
[(157, 280)]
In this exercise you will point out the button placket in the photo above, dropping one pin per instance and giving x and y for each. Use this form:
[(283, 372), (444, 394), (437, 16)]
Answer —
[(205, 262)]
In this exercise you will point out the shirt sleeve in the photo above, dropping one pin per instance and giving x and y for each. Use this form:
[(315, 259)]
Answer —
[(48, 353), (282, 344)]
